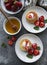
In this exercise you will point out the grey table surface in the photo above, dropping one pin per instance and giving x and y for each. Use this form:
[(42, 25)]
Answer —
[(8, 55)]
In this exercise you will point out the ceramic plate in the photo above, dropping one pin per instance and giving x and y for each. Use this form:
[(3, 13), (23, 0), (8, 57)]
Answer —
[(22, 55), (30, 27)]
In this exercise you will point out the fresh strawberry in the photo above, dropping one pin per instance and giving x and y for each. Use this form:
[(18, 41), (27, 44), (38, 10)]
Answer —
[(10, 42), (34, 46), (13, 38), (10, 1), (8, 6), (6, 3), (36, 52), (30, 51), (18, 4), (13, 8), (30, 16), (42, 24), (41, 19), (36, 23)]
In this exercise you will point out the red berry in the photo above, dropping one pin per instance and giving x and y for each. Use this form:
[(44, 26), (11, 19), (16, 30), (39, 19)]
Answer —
[(13, 8), (10, 1), (6, 3), (10, 42), (42, 24), (34, 46), (30, 51), (41, 19), (30, 16), (8, 6), (36, 23), (36, 52), (13, 38), (18, 4)]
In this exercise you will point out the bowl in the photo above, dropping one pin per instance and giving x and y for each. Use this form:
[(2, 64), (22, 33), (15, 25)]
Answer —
[(4, 26), (7, 11)]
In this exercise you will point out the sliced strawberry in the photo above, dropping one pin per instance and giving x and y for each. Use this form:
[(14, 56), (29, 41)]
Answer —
[(8, 6), (36, 52), (13, 8), (41, 19), (30, 16), (30, 51), (42, 24), (10, 1), (13, 38), (34, 46), (36, 23), (18, 4), (10, 42)]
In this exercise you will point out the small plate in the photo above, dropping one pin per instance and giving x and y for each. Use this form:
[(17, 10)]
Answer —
[(22, 55), (30, 27)]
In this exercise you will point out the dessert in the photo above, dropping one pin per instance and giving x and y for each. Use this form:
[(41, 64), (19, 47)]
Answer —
[(25, 44), (32, 49), (31, 16)]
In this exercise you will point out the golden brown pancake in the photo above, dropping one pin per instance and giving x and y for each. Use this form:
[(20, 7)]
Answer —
[(31, 16), (25, 44)]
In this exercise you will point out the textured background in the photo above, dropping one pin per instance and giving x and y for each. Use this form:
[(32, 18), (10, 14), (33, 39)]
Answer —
[(8, 56)]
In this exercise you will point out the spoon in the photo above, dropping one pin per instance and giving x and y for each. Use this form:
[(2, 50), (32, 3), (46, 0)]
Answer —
[(13, 26)]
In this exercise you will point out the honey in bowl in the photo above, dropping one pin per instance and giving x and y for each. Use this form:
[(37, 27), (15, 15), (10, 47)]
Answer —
[(9, 27)]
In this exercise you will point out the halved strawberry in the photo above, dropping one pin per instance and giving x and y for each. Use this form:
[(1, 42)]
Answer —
[(36, 23), (10, 1), (41, 18), (30, 51), (42, 24), (13, 38), (34, 46), (10, 42), (13, 8), (18, 4), (8, 6), (36, 52)]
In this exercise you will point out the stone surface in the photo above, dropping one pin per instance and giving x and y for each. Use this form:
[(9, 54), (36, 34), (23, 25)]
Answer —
[(8, 56)]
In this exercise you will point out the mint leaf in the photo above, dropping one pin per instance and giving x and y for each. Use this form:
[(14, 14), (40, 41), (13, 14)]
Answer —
[(9, 37), (3, 45), (36, 28), (29, 56), (45, 21), (38, 48)]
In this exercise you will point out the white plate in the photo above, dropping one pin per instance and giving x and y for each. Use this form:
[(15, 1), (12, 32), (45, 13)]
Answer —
[(30, 27), (22, 55), (7, 11)]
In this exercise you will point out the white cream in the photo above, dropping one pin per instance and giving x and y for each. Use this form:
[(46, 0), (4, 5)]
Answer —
[(24, 44), (28, 44), (31, 14)]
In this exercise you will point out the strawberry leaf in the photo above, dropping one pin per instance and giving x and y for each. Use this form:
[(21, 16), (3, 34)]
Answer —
[(38, 48), (36, 28), (45, 21), (3, 45), (29, 56)]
